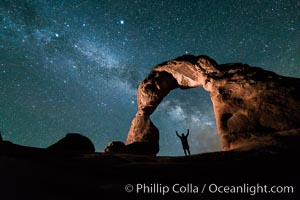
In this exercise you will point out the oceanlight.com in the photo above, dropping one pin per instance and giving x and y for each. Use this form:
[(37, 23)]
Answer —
[(189, 188)]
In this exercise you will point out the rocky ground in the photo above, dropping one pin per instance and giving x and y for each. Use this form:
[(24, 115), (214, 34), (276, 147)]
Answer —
[(33, 173)]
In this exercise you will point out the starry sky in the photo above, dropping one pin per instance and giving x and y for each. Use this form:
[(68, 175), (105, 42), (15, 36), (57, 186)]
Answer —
[(74, 66)]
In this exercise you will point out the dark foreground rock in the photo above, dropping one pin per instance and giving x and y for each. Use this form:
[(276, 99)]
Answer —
[(73, 142), (33, 173), (138, 148)]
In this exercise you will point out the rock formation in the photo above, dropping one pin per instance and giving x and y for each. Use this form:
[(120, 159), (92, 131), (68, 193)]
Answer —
[(73, 143), (141, 148), (252, 106), (115, 147)]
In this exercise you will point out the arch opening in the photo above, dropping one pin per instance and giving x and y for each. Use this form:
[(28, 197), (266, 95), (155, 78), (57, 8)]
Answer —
[(182, 109)]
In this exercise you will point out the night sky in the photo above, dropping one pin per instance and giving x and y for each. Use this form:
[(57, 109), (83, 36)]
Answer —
[(74, 66)]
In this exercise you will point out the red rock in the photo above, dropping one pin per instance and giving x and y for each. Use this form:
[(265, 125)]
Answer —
[(252, 106), (143, 130)]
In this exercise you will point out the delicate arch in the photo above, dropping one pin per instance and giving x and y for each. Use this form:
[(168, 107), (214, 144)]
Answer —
[(242, 97)]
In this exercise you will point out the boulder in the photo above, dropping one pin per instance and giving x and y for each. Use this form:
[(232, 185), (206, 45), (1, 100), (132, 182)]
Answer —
[(115, 147), (138, 148), (73, 143)]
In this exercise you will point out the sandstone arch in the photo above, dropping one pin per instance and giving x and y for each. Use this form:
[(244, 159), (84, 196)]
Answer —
[(251, 105)]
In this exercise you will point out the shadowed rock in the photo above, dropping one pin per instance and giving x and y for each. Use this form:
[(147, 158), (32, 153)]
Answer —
[(253, 107), (115, 147), (139, 148), (74, 143)]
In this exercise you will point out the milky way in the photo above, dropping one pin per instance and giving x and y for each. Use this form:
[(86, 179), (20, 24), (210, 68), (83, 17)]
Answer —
[(74, 66)]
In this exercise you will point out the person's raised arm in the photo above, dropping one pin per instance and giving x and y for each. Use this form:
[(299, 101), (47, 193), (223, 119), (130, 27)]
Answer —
[(177, 134), (188, 132)]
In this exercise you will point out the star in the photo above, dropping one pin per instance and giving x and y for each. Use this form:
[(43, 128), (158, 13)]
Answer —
[(96, 58)]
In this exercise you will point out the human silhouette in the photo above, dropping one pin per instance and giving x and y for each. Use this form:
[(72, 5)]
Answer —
[(184, 141)]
